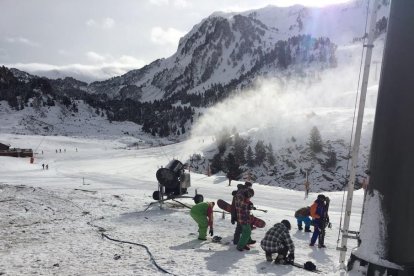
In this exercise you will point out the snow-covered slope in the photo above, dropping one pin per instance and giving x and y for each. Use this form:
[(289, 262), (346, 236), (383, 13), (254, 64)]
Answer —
[(51, 221)]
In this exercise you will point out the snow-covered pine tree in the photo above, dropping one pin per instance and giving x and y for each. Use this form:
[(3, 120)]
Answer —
[(315, 141)]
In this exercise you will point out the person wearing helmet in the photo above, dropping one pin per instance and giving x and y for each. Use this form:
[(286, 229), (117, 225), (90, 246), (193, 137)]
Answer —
[(277, 240), (318, 213), (243, 207)]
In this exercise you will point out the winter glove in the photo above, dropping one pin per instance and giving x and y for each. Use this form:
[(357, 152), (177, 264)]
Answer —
[(211, 232), (290, 258), (251, 206), (233, 220)]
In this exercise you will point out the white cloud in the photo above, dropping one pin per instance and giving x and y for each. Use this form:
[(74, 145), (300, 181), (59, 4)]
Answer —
[(182, 3), (106, 68), (91, 23), (22, 40), (63, 52), (166, 36), (95, 57), (159, 2), (175, 3), (129, 60), (108, 23)]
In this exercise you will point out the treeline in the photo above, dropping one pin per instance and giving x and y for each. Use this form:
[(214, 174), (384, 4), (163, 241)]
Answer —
[(159, 118), (235, 153)]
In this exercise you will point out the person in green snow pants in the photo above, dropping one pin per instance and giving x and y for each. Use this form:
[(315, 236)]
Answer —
[(202, 213)]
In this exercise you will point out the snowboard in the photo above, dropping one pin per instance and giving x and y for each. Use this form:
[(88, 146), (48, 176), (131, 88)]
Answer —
[(325, 222), (253, 220)]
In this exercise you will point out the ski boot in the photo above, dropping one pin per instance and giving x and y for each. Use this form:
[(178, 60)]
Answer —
[(269, 257), (280, 259)]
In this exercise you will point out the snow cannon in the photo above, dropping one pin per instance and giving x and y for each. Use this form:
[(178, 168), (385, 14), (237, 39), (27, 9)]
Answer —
[(173, 182)]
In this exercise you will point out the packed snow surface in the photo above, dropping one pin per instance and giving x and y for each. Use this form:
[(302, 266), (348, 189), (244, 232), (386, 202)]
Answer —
[(51, 221)]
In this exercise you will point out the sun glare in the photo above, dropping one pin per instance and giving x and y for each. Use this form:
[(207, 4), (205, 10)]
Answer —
[(312, 3)]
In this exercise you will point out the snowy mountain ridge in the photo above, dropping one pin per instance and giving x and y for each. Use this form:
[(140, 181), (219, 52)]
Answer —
[(233, 49)]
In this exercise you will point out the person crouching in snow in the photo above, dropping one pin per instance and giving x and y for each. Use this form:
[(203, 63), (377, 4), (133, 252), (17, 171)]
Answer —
[(243, 205), (277, 240), (202, 213), (302, 215)]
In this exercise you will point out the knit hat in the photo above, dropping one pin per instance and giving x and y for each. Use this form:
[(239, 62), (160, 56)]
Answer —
[(286, 223)]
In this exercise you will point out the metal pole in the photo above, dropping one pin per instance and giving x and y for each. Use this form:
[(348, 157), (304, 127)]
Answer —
[(357, 139)]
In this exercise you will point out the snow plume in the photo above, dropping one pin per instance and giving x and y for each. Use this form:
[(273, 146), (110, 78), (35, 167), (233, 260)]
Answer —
[(277, 109), (373, 232)]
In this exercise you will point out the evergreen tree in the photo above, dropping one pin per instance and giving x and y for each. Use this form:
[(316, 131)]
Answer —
[(250, 157), (315, 141), (240, 145), (260, 152), (270, 154), (216, 163), (331, 161), (232, 168)]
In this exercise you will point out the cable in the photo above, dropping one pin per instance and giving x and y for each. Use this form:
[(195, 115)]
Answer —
[(142, 245), (104, 235), (353, 120)]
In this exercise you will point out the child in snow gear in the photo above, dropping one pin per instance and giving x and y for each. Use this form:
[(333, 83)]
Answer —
[(202, 213), (319, 213), (240, 188), (243, 206), (277, 240), (302, 215)]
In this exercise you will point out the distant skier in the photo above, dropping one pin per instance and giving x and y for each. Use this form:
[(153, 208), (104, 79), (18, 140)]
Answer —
[(243, 206), (302, 216), (320, 217), (240, 189), (202, 213), (43, 166), (47, 166), (229, 176), (306, 184), (277, 240)]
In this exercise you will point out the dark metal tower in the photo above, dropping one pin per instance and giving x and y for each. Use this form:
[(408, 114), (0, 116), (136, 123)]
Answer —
[(392, 147)]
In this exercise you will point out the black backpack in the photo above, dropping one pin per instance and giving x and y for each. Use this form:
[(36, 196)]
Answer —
[(309, 266)]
